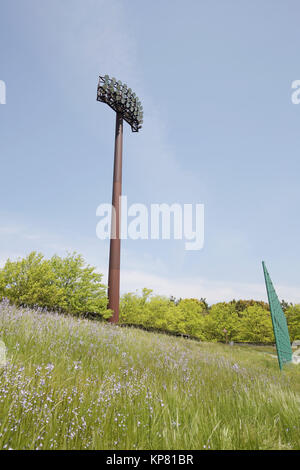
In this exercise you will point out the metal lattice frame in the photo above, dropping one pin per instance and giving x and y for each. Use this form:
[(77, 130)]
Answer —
[(122, 100), (280, 328)]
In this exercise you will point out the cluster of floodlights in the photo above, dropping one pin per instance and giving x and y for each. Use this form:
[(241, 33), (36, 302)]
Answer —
[(122, 100)]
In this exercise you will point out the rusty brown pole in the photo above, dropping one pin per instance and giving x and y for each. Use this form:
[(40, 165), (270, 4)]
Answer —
[(115, 241)]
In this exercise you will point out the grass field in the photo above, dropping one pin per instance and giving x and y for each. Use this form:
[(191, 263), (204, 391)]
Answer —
[(79, 384)]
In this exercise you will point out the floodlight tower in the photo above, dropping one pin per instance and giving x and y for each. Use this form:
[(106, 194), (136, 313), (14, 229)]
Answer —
[(127, 107)]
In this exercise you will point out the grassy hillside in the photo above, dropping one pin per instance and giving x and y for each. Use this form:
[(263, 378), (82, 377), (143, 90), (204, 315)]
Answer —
[(77, 384)]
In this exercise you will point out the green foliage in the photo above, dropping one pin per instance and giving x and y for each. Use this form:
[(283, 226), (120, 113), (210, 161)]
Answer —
[(190, 314), (81, 285), (221, 323), (154, 313), (161, 313), (30, 281), (239, 321), (63, 284), (241, 305), (293, 320), (256, 325)]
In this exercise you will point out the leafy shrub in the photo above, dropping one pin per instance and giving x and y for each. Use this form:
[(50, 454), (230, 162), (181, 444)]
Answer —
[(63, 284), (293, 319), (256, 325)]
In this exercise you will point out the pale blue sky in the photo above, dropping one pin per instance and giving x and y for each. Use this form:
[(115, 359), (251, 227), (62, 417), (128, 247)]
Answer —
[(219, 129)]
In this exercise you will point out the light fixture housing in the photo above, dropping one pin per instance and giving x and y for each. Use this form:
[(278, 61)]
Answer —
[(122, 100)]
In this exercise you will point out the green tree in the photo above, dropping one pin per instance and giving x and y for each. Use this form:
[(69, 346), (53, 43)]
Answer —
[(221, 323), (193, 305), (241, 305), (293, 320), (161, 313), (256, 325), (30, 282), (190, 317), (83, 289), (64, 284)]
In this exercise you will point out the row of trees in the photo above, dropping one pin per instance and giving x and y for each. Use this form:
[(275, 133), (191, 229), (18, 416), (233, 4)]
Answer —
[(70, 286), (239, 321)]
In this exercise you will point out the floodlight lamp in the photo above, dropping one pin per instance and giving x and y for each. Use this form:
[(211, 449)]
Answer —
[(121, 99)]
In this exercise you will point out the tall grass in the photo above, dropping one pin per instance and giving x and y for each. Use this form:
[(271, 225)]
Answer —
[(77, 384)]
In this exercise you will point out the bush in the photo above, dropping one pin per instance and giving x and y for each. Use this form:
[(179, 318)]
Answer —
[(148, 311), (293, 321), (63, 284), (256, 326)]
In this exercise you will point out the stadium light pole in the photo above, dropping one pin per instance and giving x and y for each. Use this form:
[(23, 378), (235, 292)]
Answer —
[(128, 108)]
